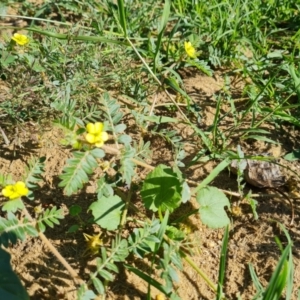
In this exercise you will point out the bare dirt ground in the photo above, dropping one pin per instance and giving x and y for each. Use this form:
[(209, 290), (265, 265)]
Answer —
[(251, 241)]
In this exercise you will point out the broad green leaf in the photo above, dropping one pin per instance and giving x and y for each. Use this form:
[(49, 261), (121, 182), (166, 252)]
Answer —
[(161, 189), (107, 212), (75, 210), (212, 202), (295, 155), (10, 285)]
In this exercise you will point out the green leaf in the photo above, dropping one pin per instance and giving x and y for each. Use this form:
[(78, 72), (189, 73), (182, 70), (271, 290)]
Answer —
[(12, 229), (83, 294), (75, 210), (186, 192), (148, 279), (6, 59), (160, 119), (75, 173), (73, 228), (292, 156), (34, 172), (106, 275), (127, 165), (10, 285), (50, 217), (213, 174), (202, 66), (97, 153), (120, 128), (260, 138), (212, 202), (13, 205), (161, 189), (107, 212), (125, 139), (98, 285)]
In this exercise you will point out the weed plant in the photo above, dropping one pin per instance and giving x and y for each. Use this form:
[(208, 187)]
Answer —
[(86, 66)]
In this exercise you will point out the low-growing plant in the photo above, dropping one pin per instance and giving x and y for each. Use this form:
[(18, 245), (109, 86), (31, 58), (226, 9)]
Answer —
[(73, 67)]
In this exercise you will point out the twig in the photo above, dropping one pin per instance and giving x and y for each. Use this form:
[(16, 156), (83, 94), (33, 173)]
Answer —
[(54, 251)]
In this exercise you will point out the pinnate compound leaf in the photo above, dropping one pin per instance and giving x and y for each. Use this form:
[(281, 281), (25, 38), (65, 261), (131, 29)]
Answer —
[(212, 202), (161, 189), (107, 211), (75, 173), (50, 217), (34, 171), (10, 285), (11, 229), (127, 165)]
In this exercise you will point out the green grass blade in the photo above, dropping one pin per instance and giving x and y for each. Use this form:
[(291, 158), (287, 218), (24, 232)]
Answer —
[(122, 16), (164, 21), (213, 174), (86, 38), (148, 279), (278, 279), (222, 267)]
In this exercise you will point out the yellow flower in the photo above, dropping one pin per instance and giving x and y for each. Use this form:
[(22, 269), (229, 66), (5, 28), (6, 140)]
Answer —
[(15, 191), (189, 49), (95, 134), (20, 39), (93, 243)]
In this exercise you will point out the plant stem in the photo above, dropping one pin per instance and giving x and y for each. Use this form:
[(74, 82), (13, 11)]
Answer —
[(127, 203), (199, 271), (54, 251)]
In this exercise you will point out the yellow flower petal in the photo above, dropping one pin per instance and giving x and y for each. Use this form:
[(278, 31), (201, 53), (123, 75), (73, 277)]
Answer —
[(99, 144), (104, 136), (15, 191), (93, 242), (95, 134), (90, 128), (98, 127), (189, 49), (90, 138), (20, 39), (8, 190), (14, 196), (21, 188)]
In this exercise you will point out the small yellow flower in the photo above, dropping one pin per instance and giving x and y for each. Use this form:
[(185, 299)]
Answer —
[(95, 134), (93, 243), (190, 50), (15, 191), (20, 39)]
